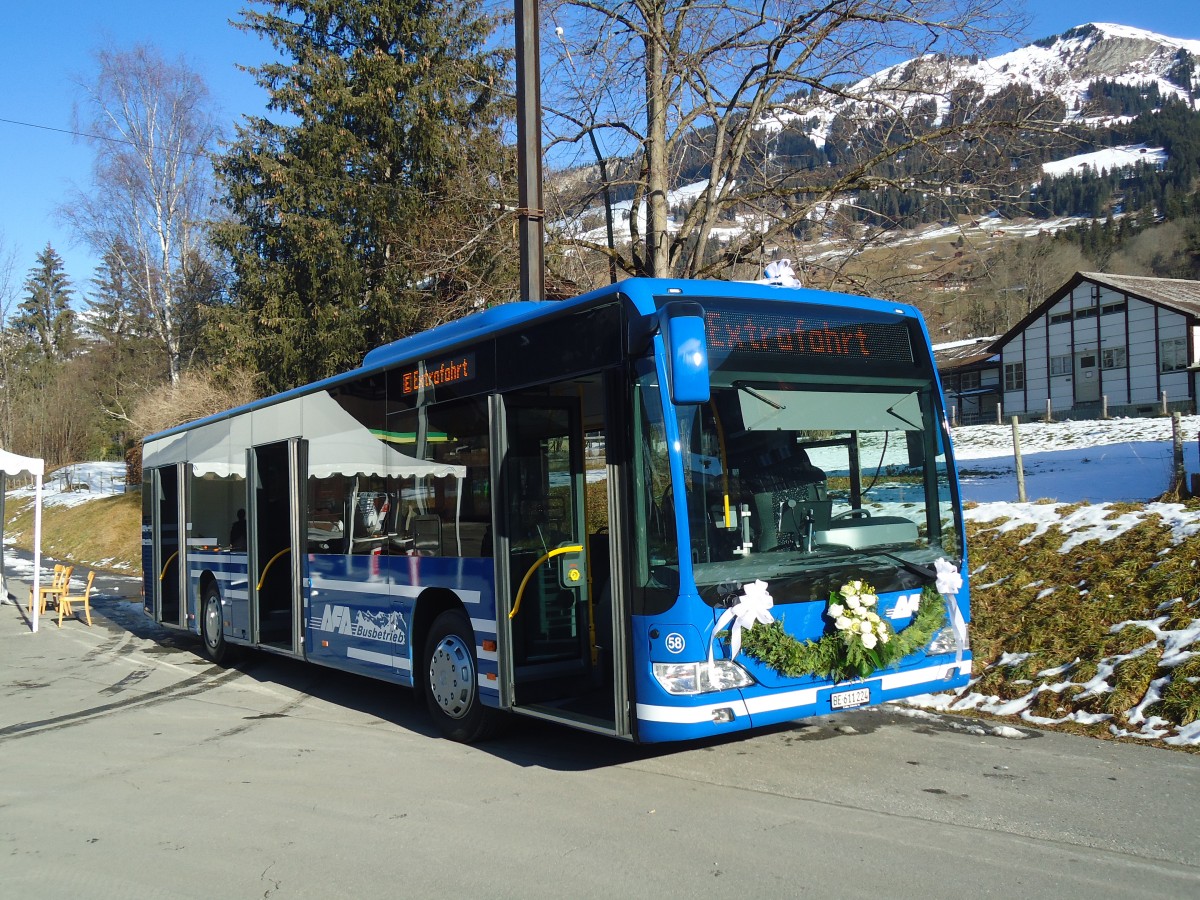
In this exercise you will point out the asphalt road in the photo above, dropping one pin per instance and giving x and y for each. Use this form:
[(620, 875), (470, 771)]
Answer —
[(130, 767)]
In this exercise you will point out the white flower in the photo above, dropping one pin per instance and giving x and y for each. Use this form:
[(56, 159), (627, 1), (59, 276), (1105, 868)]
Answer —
[(884, 637), (835, 610), (864, 627), (853, 602), (882, 628), (868, 599), (869, 641), (872, 617), (842, 623)]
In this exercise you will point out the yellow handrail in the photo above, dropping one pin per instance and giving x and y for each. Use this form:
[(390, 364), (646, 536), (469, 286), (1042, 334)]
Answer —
[(167, 563), (557, 551), (267, 567)]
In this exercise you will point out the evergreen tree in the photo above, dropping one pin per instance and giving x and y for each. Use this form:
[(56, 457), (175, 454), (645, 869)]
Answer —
[(373, 212), (45, 315), (117, 314)]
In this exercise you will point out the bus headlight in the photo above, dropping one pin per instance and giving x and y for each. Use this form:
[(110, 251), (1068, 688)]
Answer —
[(702, 677), (945, 642)]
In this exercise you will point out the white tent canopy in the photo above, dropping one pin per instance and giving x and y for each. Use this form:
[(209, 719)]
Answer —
[(12, 464), (338, 444)]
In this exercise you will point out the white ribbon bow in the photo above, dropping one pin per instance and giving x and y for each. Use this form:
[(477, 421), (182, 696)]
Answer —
[(948, 579), (949, 583), (780, 271), (753, 606)]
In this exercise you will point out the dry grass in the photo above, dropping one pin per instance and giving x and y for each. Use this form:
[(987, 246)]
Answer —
[(1067, 610), (103, 533)]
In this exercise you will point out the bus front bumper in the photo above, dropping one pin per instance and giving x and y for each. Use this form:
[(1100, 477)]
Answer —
[(755, 707)]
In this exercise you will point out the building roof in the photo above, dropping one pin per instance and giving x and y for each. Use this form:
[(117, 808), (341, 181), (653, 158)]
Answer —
[(1177, 294), (963, 354)]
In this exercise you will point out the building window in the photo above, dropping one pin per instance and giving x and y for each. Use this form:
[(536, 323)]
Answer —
[(1112, 358), (1059, 318), (1060, 365), (1172, 355), (968, 381), (1014, 376), (1112, 309)]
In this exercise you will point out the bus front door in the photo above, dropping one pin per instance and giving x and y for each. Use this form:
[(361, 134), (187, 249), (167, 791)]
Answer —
[(276, 612), (559, 645)]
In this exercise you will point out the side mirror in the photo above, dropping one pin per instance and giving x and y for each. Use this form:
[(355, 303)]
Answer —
[(682, 326)]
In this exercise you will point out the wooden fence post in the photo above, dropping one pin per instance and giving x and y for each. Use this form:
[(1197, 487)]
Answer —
[(1020, 466), (1179, 482)]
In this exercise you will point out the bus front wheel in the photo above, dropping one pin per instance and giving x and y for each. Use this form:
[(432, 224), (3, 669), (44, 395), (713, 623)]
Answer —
[(451, 686), (212, 631)]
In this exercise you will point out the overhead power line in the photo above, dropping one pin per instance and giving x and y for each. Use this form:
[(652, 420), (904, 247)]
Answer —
[(98, 137)]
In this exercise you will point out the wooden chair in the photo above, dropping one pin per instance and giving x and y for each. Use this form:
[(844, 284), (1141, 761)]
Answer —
[(57, 587), (53, 582), (64, 602)]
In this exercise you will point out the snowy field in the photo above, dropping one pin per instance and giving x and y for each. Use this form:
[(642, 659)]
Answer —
[(73, 485), (1108, 160), (1101, 463)]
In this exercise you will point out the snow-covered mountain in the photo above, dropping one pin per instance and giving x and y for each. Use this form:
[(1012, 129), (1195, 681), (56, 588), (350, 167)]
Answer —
[(1065, 66), (1093, 77)]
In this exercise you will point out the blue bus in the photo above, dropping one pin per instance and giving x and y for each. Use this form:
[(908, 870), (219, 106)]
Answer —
[(662, 510)]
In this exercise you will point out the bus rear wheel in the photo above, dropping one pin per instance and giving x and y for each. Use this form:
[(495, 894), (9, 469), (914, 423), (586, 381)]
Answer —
[(451, 685), (212, 631)]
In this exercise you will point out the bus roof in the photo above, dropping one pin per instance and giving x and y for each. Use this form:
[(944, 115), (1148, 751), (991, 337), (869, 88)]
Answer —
[(641, 293)]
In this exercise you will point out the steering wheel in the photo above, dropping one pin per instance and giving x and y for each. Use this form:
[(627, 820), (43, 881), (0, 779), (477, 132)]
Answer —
[(852, 514)]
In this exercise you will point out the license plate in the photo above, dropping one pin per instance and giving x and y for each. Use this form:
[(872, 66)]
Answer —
[(847, 699)]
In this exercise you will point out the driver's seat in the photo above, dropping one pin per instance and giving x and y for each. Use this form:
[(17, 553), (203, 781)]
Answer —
[(790, 502)]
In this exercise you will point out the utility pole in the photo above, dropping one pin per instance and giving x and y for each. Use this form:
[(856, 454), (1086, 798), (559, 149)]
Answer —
[(531, 216)]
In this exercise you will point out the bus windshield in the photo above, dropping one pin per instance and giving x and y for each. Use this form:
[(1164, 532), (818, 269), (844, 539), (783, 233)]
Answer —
[(805, 476)]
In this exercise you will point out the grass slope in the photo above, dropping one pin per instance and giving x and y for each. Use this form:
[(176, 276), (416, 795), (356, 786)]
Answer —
[(102, 533)]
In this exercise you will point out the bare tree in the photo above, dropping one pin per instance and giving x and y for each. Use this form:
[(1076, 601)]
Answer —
[(153, 129), (703, 91), (8, 294)]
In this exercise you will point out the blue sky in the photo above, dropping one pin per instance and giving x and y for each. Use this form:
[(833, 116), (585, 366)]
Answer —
[(46, 47)]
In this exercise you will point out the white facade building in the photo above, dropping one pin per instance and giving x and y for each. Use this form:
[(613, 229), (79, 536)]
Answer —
[(1116, 340)]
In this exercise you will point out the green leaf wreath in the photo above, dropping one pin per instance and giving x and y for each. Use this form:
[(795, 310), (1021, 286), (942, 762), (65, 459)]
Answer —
[(844, 653)]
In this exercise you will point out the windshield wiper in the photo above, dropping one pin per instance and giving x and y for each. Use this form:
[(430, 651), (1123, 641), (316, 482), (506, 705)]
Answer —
[(915, 568), (741, 386), (891, 411)]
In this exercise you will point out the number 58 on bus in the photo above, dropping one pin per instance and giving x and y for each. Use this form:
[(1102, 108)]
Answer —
[(662, 510)]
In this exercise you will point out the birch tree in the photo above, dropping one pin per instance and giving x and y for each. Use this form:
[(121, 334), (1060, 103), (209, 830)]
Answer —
[(153, 128)]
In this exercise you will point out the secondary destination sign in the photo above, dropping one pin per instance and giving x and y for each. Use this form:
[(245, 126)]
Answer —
[(430, 375)]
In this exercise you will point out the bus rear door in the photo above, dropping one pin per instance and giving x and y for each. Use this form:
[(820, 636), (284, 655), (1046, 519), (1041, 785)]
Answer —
[(166, 586)]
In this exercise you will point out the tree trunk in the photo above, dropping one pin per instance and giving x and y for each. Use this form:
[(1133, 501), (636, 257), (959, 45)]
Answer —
[(657, 245)]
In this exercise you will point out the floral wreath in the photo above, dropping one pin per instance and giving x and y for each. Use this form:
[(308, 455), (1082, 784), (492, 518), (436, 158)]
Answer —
[(863, 642)]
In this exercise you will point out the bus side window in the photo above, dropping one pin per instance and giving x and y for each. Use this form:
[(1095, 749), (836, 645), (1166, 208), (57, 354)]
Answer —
[(450, 484)]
